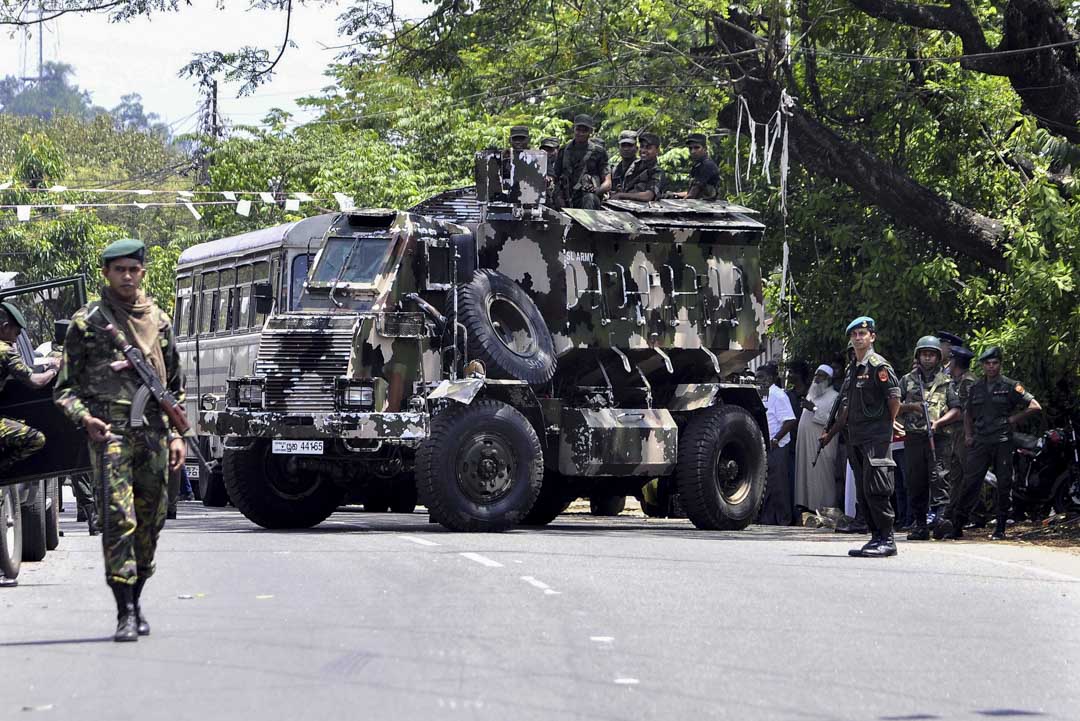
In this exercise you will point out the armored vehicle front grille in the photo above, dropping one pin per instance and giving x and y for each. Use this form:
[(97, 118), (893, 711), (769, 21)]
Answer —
[(299, 367)]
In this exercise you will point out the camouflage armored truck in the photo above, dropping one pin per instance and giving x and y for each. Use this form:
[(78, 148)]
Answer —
[(506, 357)]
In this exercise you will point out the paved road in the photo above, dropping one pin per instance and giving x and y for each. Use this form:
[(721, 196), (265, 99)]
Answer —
[(389, 617)]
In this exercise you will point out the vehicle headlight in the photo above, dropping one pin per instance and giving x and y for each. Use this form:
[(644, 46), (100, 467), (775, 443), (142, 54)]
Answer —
[(245, 393), (354, 395)]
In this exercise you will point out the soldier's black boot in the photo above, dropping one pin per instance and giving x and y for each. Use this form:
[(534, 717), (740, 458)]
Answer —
[(142, 624), (999, 530), (868, 546), (886, 546), (919, 533), (126, 623)]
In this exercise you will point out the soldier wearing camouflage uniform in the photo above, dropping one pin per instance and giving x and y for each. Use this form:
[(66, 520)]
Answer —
[(871, 405), (581, 172), (628, 141), (924, 472), (18, 440), (704, 173), (644, 178), (95, 391), (550, 146)]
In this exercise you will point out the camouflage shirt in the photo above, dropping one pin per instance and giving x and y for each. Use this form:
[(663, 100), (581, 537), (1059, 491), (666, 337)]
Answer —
[(962, 386), (87, 384), (990, 403), (940, 396), (704, 180), (575, 159), (644, 175), (618, 174), (868, 417), (12, 365)]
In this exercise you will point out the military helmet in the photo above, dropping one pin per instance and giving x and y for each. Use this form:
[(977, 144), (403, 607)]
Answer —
[(928, 342)]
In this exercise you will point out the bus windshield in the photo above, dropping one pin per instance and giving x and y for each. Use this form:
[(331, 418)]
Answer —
[(350, 260)]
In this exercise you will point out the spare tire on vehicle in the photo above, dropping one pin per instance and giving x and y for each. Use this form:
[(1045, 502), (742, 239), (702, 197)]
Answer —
[(505, 329)]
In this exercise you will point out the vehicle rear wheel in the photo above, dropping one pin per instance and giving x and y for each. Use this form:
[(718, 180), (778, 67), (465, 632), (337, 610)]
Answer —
[(506, 329), (554, 498), (269, 492), (10, 532), (1068, 495), (52, 517), (212, 490), (721, 468), (481, 468), (606, 505), (34, 522)]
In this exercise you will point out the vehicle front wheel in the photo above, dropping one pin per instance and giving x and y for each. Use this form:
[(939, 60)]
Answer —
[(272, 493), (10, 532), (481, 468), (52, 514), (720, 471), (35, 523)]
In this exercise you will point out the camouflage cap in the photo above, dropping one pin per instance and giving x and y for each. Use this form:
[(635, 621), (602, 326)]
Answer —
[(519, 131), (696, 139), (552, 143), (649, 139), (628, 137), (863, 321), (991, 353), (583, 119), (16, 315), (126, 248)]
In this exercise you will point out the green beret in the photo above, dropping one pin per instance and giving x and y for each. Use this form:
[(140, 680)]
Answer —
[(126, 248), (15, 313), (649, 139), (991, 353), (695, 139)]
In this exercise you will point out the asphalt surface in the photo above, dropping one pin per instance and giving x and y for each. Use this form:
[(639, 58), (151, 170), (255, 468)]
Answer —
[(390, 617)]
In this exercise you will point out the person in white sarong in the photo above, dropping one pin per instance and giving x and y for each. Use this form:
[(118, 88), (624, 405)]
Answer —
[(815, 486)]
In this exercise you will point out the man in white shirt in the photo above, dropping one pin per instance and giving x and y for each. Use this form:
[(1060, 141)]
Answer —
[(778, 507)]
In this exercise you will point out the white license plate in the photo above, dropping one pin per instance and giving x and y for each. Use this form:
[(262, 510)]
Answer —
[(309, 448), (192, 471)]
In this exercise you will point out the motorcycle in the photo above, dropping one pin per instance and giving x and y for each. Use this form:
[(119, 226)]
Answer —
[(1046, 470)]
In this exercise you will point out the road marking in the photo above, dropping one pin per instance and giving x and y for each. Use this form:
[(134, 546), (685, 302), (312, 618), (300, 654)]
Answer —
[(602, 639), (421, 541), (264, 596), (1012, 564), (537, 583), (627, 681), (482, 560)]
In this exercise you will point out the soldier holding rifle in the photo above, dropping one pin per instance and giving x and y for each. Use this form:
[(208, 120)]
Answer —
[(131, 456)]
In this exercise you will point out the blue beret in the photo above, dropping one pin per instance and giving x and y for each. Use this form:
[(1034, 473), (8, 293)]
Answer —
[(863, 321), (126, 248)]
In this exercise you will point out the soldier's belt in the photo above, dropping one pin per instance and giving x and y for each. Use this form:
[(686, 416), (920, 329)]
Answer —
[(119, 415)]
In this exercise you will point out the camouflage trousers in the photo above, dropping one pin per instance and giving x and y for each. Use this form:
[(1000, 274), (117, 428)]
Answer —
[(18, 441), (132, 471)]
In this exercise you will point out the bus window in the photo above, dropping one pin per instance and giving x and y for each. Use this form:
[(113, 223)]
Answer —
[(226, 280), (207, 304), (260, 274), (243, 296), (183, 300), (300, 266)]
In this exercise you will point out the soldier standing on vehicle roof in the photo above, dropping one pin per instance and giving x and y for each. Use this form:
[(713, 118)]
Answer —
[(18, 440), (872, 402), (95, 390), (581, 172), (628, 141), (551, 147), (704, 173), (925, 472), (995, 406), (644, 179)]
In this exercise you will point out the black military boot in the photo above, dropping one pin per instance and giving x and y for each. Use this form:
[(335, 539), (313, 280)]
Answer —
[(919, 533), (886, 546), (126, 623), (868, 546), (999, 530), (143, 624)]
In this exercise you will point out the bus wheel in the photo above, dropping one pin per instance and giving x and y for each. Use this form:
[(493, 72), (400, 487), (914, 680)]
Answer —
[(264, 488)]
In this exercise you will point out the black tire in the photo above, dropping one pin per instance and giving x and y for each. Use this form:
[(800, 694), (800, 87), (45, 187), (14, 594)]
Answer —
[(506, 329), (554, 498), (52, 514), (1068, 496), (605, 505), (403, 496), (10, 532), (721, 468), (35, 520), (212, 490), (263, 489), (481, 468)]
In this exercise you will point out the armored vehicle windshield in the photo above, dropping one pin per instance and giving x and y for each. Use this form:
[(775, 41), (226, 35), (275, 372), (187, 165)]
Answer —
[(356, 260)]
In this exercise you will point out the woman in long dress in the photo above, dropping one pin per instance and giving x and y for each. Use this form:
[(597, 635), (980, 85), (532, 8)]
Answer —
[(815, 487)]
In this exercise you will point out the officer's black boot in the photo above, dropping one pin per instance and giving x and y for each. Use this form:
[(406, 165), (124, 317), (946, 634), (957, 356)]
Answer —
[(142, 624), (919, 533), (868, 546), (126, 623), (999, 529), (886, 546)]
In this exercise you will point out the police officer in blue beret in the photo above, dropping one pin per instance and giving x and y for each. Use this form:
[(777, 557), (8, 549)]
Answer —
[(871, 397)]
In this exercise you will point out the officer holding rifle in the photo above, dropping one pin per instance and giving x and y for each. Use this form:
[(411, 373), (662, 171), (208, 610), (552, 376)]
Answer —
[(131, 456)]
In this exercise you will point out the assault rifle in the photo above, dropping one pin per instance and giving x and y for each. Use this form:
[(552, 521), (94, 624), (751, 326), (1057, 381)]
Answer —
[(151, 387), (926, 418)]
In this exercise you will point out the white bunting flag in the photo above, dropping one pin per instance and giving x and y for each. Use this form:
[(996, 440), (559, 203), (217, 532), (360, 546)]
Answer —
[(5, 185), (149, 192), (185, 194), (194, 213), (67, 208), (58, 189), (344, 202), (228, 195), (292, 204), (243, 208), (267, 197), (302, 197), (140, 206), (22, 212)]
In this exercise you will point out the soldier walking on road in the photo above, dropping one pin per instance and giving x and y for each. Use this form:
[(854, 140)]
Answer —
[(644, 178), (95, 390), (581, 172), (704, 173), (18, 440), (995, 406), (628, 141), (872, 402), (924, 471)]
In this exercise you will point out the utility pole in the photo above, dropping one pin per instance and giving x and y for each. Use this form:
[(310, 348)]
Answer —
[(209, 125)]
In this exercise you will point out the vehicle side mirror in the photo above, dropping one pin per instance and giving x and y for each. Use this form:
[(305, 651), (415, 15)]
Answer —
[(264, 299), (60, 329)]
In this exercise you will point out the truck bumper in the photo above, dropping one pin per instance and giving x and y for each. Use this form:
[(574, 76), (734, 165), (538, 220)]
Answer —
[(409, 428)]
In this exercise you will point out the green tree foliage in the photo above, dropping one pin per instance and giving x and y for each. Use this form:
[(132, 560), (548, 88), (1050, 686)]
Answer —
[(47, 97)]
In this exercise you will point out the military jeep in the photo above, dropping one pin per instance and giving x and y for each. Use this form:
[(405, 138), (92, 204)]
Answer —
[(499, 357)]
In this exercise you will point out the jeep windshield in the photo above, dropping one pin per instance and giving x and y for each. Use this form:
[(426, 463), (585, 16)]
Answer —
[(356, 260)]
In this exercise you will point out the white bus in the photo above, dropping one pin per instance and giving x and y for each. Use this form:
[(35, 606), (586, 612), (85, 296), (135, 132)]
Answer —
[(225, 289)]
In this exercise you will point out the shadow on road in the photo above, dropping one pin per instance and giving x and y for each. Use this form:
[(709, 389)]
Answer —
[(57, 642)]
